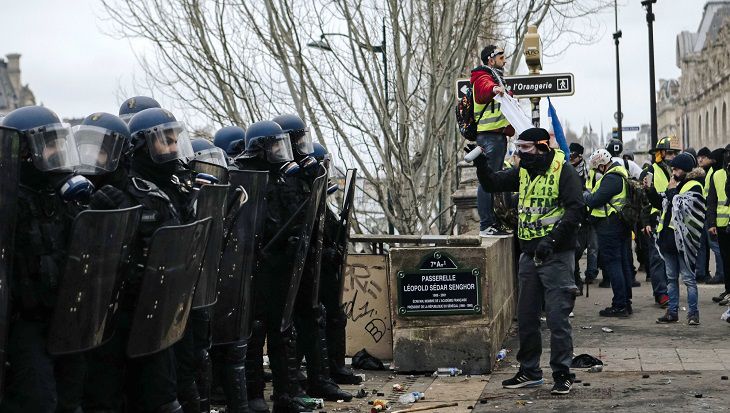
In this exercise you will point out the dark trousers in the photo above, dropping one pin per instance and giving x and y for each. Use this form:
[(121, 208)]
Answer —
[(614, 242), (140, 384), (723, 238), (495, 148), (550, 285), (37, 381)]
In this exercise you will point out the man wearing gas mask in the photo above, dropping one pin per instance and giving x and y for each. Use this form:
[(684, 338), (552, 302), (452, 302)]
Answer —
[(550, 211), (50, 196)]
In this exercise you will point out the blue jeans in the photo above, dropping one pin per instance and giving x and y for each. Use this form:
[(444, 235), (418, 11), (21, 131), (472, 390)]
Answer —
[(676, 267), (615, 259), (495, 148), (707, 244)]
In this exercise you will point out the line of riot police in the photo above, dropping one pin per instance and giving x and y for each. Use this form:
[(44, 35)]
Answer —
[(141, 270)]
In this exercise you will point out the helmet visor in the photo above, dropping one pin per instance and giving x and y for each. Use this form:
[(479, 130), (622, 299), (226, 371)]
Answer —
[(213, 155), (303, 142), (169, 142), (99, 149), (278, 149), (53, 148)]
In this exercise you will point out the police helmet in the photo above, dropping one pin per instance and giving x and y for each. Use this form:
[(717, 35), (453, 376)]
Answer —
[(166, 138), (48, 142), (266, 139), (136, 104), (319, 152), (230, 138), (101, 139), (301, 141), (205, 151), (615, 147)]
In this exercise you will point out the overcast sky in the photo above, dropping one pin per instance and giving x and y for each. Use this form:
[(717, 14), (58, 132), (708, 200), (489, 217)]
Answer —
[(75, 69)]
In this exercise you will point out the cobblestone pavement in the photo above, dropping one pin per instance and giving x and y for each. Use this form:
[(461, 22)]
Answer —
[(648, 367)]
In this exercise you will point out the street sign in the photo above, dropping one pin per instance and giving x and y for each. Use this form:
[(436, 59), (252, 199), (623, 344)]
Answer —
[(528, 86), (630, 128)]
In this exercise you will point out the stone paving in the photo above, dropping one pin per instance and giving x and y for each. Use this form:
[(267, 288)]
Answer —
[(672, 368)]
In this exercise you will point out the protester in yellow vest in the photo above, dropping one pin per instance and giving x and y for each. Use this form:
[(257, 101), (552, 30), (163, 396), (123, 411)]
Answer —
[(658, 177), (586, 239), (678, 232), (604, 203), (718, 218), (550, 208), (710, 161), (492, 128)]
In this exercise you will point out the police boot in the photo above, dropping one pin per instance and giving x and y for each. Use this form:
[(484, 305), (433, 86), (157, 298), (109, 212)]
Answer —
[(204, 378), (172, 407), (233, 379), (254, 368), (285, 404), (336, 346), (320, 384)]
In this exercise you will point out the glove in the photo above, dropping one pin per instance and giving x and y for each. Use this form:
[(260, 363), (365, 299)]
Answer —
[(107, 197), (481, 160), (545, 248)]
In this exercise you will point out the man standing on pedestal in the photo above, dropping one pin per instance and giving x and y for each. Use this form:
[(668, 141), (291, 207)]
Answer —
[(492, 128)]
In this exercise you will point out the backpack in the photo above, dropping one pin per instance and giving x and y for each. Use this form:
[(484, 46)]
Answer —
[(465, 119), (630, 214)]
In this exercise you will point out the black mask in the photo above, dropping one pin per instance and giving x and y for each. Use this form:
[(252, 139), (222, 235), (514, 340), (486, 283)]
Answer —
[(534, 162)]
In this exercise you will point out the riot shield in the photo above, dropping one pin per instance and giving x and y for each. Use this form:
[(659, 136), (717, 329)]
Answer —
[(302, 246), (232, 312), (312, 268), (211, 169), (211, 203), (99, 247), (9, 166), (173, 266), (342, 236)]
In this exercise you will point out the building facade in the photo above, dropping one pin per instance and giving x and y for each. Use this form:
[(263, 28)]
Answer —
[(13, 93), (701, 111)]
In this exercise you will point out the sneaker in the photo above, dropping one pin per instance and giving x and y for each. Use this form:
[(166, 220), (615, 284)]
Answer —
[(663, 301), (725, 301), (720, 297), (613, 312), (693, 320), (667, 318), (492, 231), (563, 383), (521, 380)]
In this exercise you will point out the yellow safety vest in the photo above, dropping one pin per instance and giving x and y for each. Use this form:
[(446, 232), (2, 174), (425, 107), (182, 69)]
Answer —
[(689, 185), (591, 181), (492, 118), (661, 182), (708, 181), (719, 178), (618, 201), (538, 202)]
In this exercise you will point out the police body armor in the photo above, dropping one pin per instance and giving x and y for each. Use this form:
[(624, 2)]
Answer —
[(9, 166), (232, 312), (99, 249), (168, 285), (211, 203), (301, 246)]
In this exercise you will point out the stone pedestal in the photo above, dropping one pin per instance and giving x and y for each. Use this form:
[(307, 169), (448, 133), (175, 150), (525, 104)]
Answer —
[(423, 342), (465, 200)]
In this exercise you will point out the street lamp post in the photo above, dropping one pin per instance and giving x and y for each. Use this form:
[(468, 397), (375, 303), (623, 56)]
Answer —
[(650, 22), (322, 44), (616, 37)]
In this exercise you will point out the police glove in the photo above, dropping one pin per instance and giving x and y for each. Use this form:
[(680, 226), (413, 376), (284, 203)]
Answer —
[(108, 197), (545, 249)]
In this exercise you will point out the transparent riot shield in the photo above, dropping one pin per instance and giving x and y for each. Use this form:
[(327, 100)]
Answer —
[(302, 246), (212, 169), (9, 165), (233, 311), (99, 249), (173, 266), (211, 202)]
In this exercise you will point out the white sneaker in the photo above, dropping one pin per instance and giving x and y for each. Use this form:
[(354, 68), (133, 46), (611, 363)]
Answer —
[(492, 231)]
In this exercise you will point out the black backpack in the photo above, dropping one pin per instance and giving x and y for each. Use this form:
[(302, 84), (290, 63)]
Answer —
[(630, 214), (465, 119)]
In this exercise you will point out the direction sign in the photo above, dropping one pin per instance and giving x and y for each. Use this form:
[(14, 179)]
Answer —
[(528, 86), (630, 128)]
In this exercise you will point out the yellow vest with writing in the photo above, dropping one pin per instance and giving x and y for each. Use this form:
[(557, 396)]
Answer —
[(538, 202)]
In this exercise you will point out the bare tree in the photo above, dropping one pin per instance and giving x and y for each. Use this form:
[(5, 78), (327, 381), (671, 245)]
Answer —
[(237, 61)]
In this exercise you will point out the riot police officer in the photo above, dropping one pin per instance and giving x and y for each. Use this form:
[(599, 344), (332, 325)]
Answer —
[(146, 383), (48, 199), (229, 139), (136, 104), (268, 148), (310, 314)]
